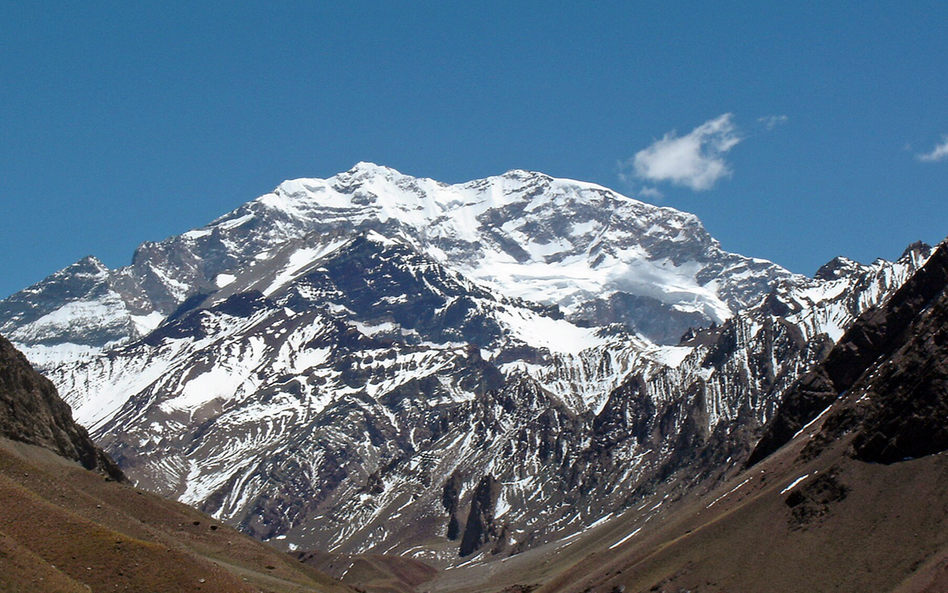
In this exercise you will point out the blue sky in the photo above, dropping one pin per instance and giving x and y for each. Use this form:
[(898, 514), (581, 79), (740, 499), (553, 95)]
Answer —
[(795, 131)]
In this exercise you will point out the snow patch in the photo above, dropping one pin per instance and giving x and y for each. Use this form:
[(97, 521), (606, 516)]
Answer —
[(556, 335), (223, 280), (299, 260), (145, 324), (794, 483), (624, 539)]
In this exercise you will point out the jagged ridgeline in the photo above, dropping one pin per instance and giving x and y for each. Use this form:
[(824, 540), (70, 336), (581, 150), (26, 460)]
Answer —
[(845, 491), (379, 363)]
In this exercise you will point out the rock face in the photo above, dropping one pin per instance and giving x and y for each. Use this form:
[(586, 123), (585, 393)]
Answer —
[(374, 362), (857, 446), (480, 527), (451, 499), (902, 409), (814, 499), (893, 356), (32, 412)]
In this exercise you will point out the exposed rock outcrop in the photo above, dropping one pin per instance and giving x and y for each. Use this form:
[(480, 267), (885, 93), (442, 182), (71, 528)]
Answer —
[(32, 412), (896, 356), (480, 527), (449, 498)]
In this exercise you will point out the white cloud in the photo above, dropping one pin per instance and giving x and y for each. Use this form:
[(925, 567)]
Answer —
[(939, 153), (772, 121), (695, 160)]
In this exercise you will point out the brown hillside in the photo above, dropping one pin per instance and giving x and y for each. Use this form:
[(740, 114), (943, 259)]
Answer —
[(63, 528)]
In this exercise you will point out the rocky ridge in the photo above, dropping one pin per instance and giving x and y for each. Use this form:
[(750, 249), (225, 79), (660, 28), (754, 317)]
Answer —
[(850, 472), (884, 381)]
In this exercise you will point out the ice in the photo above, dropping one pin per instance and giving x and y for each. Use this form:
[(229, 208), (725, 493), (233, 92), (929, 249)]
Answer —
[(223, 280), (44, 357), (502, 505), (145, 324), (176, 287), (374, 330), (75, 317), (557, 335), (235, 222), (221, 382), (297, 262), (671, 356)]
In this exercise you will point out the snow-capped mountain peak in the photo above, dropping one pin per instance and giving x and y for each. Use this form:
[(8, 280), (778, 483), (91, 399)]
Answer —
[(556, 241), (346, 362), (559, 242)]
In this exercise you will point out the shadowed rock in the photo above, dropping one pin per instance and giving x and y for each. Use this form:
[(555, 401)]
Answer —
[(32, 412)]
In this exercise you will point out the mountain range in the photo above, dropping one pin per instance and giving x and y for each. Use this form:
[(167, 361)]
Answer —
[(463, 375)]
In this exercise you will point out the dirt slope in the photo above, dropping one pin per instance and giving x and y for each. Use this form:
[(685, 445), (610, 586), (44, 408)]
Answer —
[(64, 528)]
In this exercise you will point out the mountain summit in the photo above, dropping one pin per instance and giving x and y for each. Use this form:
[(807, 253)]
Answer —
[(599, 256)]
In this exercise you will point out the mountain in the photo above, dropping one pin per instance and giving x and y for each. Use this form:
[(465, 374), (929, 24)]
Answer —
[(852, 500), (64, 528), (889, 368), (378, 363), (598, 255)]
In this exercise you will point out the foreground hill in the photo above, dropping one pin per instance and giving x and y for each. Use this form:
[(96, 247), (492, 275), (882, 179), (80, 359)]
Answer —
[(64, 528)]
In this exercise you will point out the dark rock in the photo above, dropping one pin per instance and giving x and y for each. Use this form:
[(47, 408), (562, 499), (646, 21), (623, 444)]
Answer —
[(874, 336), (835, 268), (814, 499), (449, 499), (905, 412), (775, 306), (480, 521), (191, 303), (32, 412)]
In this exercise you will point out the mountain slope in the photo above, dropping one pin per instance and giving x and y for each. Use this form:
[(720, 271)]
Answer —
[(560, 242), (332, 413), (852, 502), (32, 412), (64, 528), (877, 333)]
